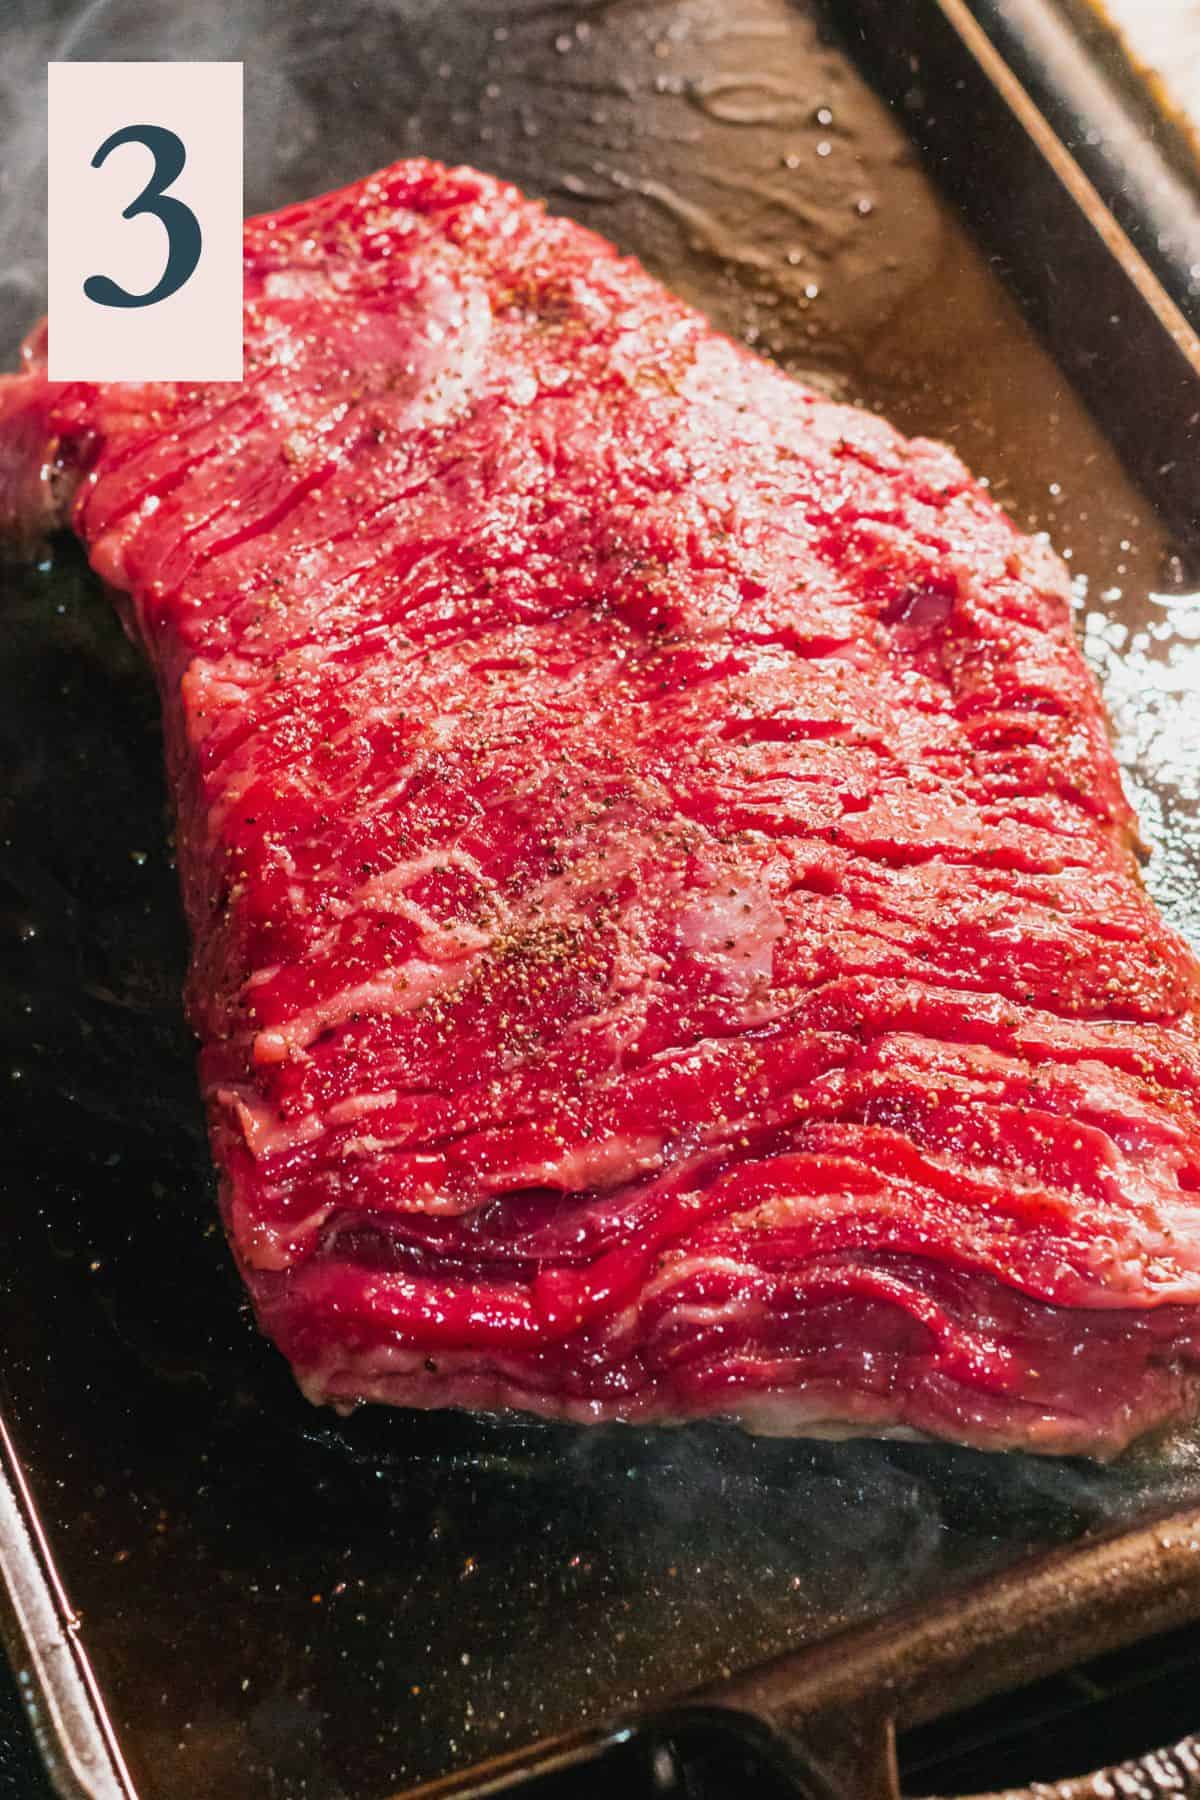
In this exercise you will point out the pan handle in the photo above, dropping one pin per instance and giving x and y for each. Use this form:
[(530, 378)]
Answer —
[(1173, 1773), (840, 1702), (859, 1763)]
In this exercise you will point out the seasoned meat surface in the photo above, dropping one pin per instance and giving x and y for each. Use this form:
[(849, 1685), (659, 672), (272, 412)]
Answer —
[(667, 935)]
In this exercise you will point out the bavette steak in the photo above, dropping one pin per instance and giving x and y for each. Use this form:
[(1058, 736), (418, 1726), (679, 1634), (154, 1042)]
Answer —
[(667, 933)]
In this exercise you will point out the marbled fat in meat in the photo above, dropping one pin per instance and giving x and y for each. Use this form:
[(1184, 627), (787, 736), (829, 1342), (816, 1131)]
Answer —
[(667, 934)]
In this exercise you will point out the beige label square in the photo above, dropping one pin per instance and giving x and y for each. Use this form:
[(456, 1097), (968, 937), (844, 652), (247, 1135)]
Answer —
[(186, 232)]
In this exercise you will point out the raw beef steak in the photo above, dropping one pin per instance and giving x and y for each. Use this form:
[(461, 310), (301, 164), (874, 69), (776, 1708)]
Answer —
[(667, 936)]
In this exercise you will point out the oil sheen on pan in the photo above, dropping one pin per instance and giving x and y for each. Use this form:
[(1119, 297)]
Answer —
[(667, 932)]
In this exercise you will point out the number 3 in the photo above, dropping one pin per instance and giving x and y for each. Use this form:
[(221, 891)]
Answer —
[(180, 222)]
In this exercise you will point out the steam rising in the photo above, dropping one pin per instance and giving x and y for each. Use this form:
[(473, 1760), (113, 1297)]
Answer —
[(636, 1564)]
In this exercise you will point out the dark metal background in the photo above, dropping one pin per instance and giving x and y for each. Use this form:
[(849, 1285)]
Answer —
[(276, 1604)]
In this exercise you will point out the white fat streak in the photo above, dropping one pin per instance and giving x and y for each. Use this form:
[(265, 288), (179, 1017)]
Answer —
[(603, 1165), (383, 996), (270, 1244), (387, 893), (347, 1111), (682, 1268), (460, 947), (262, 1127)]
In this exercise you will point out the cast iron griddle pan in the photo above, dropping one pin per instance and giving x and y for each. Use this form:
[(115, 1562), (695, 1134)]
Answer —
[(236, 1596)]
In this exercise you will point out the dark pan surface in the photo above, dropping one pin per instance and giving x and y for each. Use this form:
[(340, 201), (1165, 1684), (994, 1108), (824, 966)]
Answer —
[(276, 1603)]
